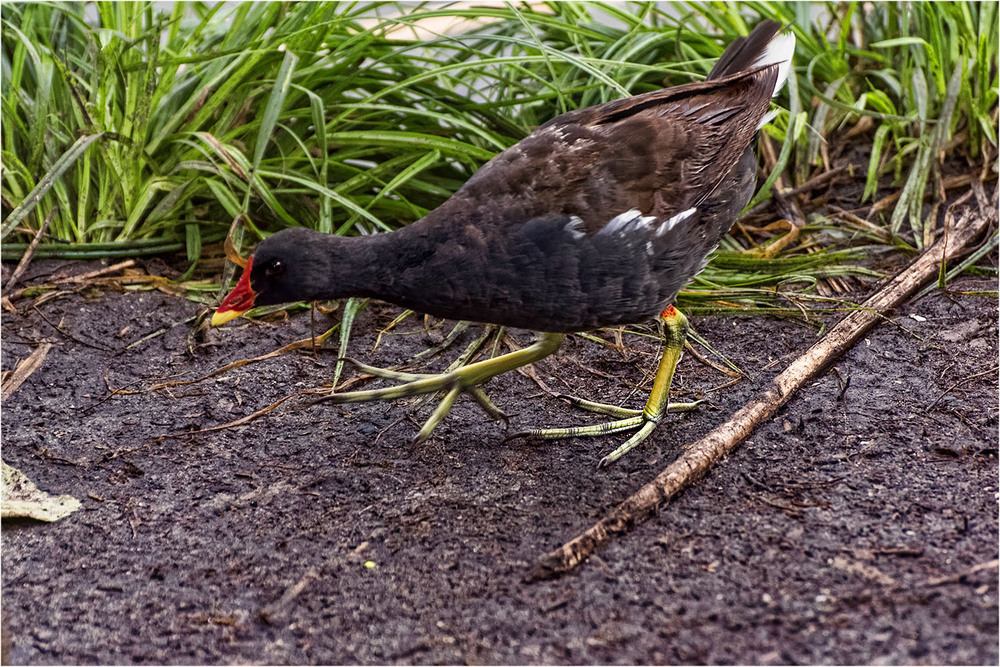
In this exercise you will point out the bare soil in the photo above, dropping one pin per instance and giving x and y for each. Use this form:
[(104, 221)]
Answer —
[(847, 530)]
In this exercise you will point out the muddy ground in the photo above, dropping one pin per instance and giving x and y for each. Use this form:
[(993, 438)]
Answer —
[(846, 530)]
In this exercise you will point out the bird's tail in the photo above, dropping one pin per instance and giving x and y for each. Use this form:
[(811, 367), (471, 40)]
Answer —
[(766, 45)]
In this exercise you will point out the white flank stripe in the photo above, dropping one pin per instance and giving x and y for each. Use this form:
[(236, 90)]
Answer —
[(674, 221), (623, 221), (575, 227)]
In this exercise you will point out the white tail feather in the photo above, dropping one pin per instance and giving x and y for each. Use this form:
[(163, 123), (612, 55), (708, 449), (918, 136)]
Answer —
[(779, 51), (768, 117)]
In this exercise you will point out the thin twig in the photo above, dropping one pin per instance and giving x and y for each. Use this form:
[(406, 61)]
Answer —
[(697, 458), (529, 370), (238, 422), (301, 344), (965, 379), (22, 266), (957, 578), (58, 327), (267, 613), (97, 273), (159, 332), (711, 364)]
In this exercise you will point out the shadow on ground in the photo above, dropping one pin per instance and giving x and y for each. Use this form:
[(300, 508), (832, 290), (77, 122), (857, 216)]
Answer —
[(847, 530)]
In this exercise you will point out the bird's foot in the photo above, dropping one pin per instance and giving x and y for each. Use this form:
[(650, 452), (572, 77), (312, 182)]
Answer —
[(643, 421), (630, 420), (414, 384), (452, 383)]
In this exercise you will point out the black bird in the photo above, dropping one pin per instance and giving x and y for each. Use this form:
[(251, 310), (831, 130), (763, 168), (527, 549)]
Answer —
[(596, 219)]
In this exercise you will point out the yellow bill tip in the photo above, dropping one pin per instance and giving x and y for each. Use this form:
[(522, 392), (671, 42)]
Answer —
[(222, 316)]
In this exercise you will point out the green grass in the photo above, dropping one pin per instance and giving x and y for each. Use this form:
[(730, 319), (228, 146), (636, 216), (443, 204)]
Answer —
[(150, 132)]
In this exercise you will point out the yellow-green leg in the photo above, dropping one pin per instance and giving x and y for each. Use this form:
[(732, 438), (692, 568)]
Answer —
[(467, 379), (675, 327)]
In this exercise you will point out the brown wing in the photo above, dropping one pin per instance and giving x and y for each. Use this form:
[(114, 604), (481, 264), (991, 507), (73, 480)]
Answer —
[(662, 152)]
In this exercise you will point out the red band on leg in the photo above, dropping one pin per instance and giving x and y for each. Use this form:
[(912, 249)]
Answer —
[(668, 312)]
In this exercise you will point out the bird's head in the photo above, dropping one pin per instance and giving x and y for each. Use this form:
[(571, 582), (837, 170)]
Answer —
[(286, 267)]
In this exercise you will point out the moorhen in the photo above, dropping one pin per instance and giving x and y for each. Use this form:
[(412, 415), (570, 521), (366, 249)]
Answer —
[(596, 219)]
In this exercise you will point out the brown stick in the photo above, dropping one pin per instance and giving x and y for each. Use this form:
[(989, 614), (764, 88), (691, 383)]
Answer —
[(697, 458)]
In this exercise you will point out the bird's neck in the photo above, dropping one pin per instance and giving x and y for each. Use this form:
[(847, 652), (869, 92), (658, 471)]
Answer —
[(369, 266)]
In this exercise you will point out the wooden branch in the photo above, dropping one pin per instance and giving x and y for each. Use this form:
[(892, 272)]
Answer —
[(697, 458)]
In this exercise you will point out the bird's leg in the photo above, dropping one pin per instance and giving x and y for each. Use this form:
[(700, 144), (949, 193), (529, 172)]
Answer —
[(467, 378), (675, 327)]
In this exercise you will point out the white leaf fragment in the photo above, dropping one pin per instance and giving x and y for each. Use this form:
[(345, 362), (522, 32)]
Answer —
[(20, 498)]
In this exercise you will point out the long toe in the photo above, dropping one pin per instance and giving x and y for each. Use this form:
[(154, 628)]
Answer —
[(388, 373), (605, 428), (600, 408), (628, 445)]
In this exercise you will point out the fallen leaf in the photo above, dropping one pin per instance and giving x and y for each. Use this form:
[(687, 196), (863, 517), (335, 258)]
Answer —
[(20, 498)]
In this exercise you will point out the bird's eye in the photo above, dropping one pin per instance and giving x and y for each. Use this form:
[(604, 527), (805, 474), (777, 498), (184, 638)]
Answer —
[(275, 269)]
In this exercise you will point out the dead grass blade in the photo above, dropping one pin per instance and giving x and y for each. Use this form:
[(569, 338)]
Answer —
[(95, 277), (98, 273), (24, 370), (232, 254), (785, 240), (30, 252), (239, 422), (22, 499), (711, 364)]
